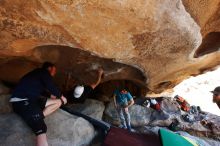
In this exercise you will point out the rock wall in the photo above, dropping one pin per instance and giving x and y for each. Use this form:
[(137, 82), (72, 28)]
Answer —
[(156, 37)]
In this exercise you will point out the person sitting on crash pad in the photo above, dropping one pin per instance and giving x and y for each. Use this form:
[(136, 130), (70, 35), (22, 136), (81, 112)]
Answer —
[(80, 93), (122, 101), (216, 96), (27, 102)]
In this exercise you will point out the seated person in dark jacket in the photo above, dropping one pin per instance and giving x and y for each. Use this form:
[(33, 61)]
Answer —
[(216, 96), (79, 93), (27, 102)]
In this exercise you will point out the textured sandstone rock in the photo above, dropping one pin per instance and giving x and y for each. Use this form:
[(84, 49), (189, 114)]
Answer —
[(63, 129), (158, 37), (198, 9), (207, 20)]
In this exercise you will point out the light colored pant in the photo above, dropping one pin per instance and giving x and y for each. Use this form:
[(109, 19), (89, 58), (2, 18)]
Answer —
[(124, 117)]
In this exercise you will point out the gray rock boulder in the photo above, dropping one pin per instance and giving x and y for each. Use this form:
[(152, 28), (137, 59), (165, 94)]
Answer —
[(140, 115), (161, 118), (92, 108), (63, 130), (111, 115), (14, 131), (170, 106)]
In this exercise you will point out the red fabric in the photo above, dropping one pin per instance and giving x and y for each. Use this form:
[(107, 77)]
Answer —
[(157, 106), (185, 106), (181, 99), (183, 103), (122, 137)]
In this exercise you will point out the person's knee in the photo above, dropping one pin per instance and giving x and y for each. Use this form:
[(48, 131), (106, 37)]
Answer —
[(53, 101), (58, 102)]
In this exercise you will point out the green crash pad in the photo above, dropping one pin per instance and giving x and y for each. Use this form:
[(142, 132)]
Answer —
[(169, 138)]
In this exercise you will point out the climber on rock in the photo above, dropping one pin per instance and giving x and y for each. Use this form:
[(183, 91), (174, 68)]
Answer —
[(79, 93), (30, 106)]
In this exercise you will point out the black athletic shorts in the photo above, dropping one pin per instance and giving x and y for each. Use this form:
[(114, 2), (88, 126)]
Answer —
[(32, 114)]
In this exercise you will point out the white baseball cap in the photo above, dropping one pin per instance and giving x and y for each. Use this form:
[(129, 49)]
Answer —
[(153, 101), (78, 91)]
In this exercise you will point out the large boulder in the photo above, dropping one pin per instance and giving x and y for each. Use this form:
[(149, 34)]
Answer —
[(170, 106), (63, 129), (90, 107), (111, 115), (157, 38), (14, 131), (140, 115)]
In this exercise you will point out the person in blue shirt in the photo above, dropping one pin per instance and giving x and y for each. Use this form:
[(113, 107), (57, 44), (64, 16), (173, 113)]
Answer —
[(27, 102), (122, 101)]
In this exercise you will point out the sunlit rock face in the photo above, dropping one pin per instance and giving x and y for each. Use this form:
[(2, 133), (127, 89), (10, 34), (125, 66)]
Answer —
[(208, 21), (157, 38)]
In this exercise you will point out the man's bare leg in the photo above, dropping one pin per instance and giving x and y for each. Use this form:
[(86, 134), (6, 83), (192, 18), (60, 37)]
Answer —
[(42, 140), (52, 105)]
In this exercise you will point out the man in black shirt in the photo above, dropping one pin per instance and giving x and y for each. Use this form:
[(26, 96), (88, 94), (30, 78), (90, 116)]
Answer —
[(27, 102)]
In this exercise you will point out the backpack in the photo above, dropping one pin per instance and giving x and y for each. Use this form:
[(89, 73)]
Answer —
[(185, 106), (183, 103), (155, 105)]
